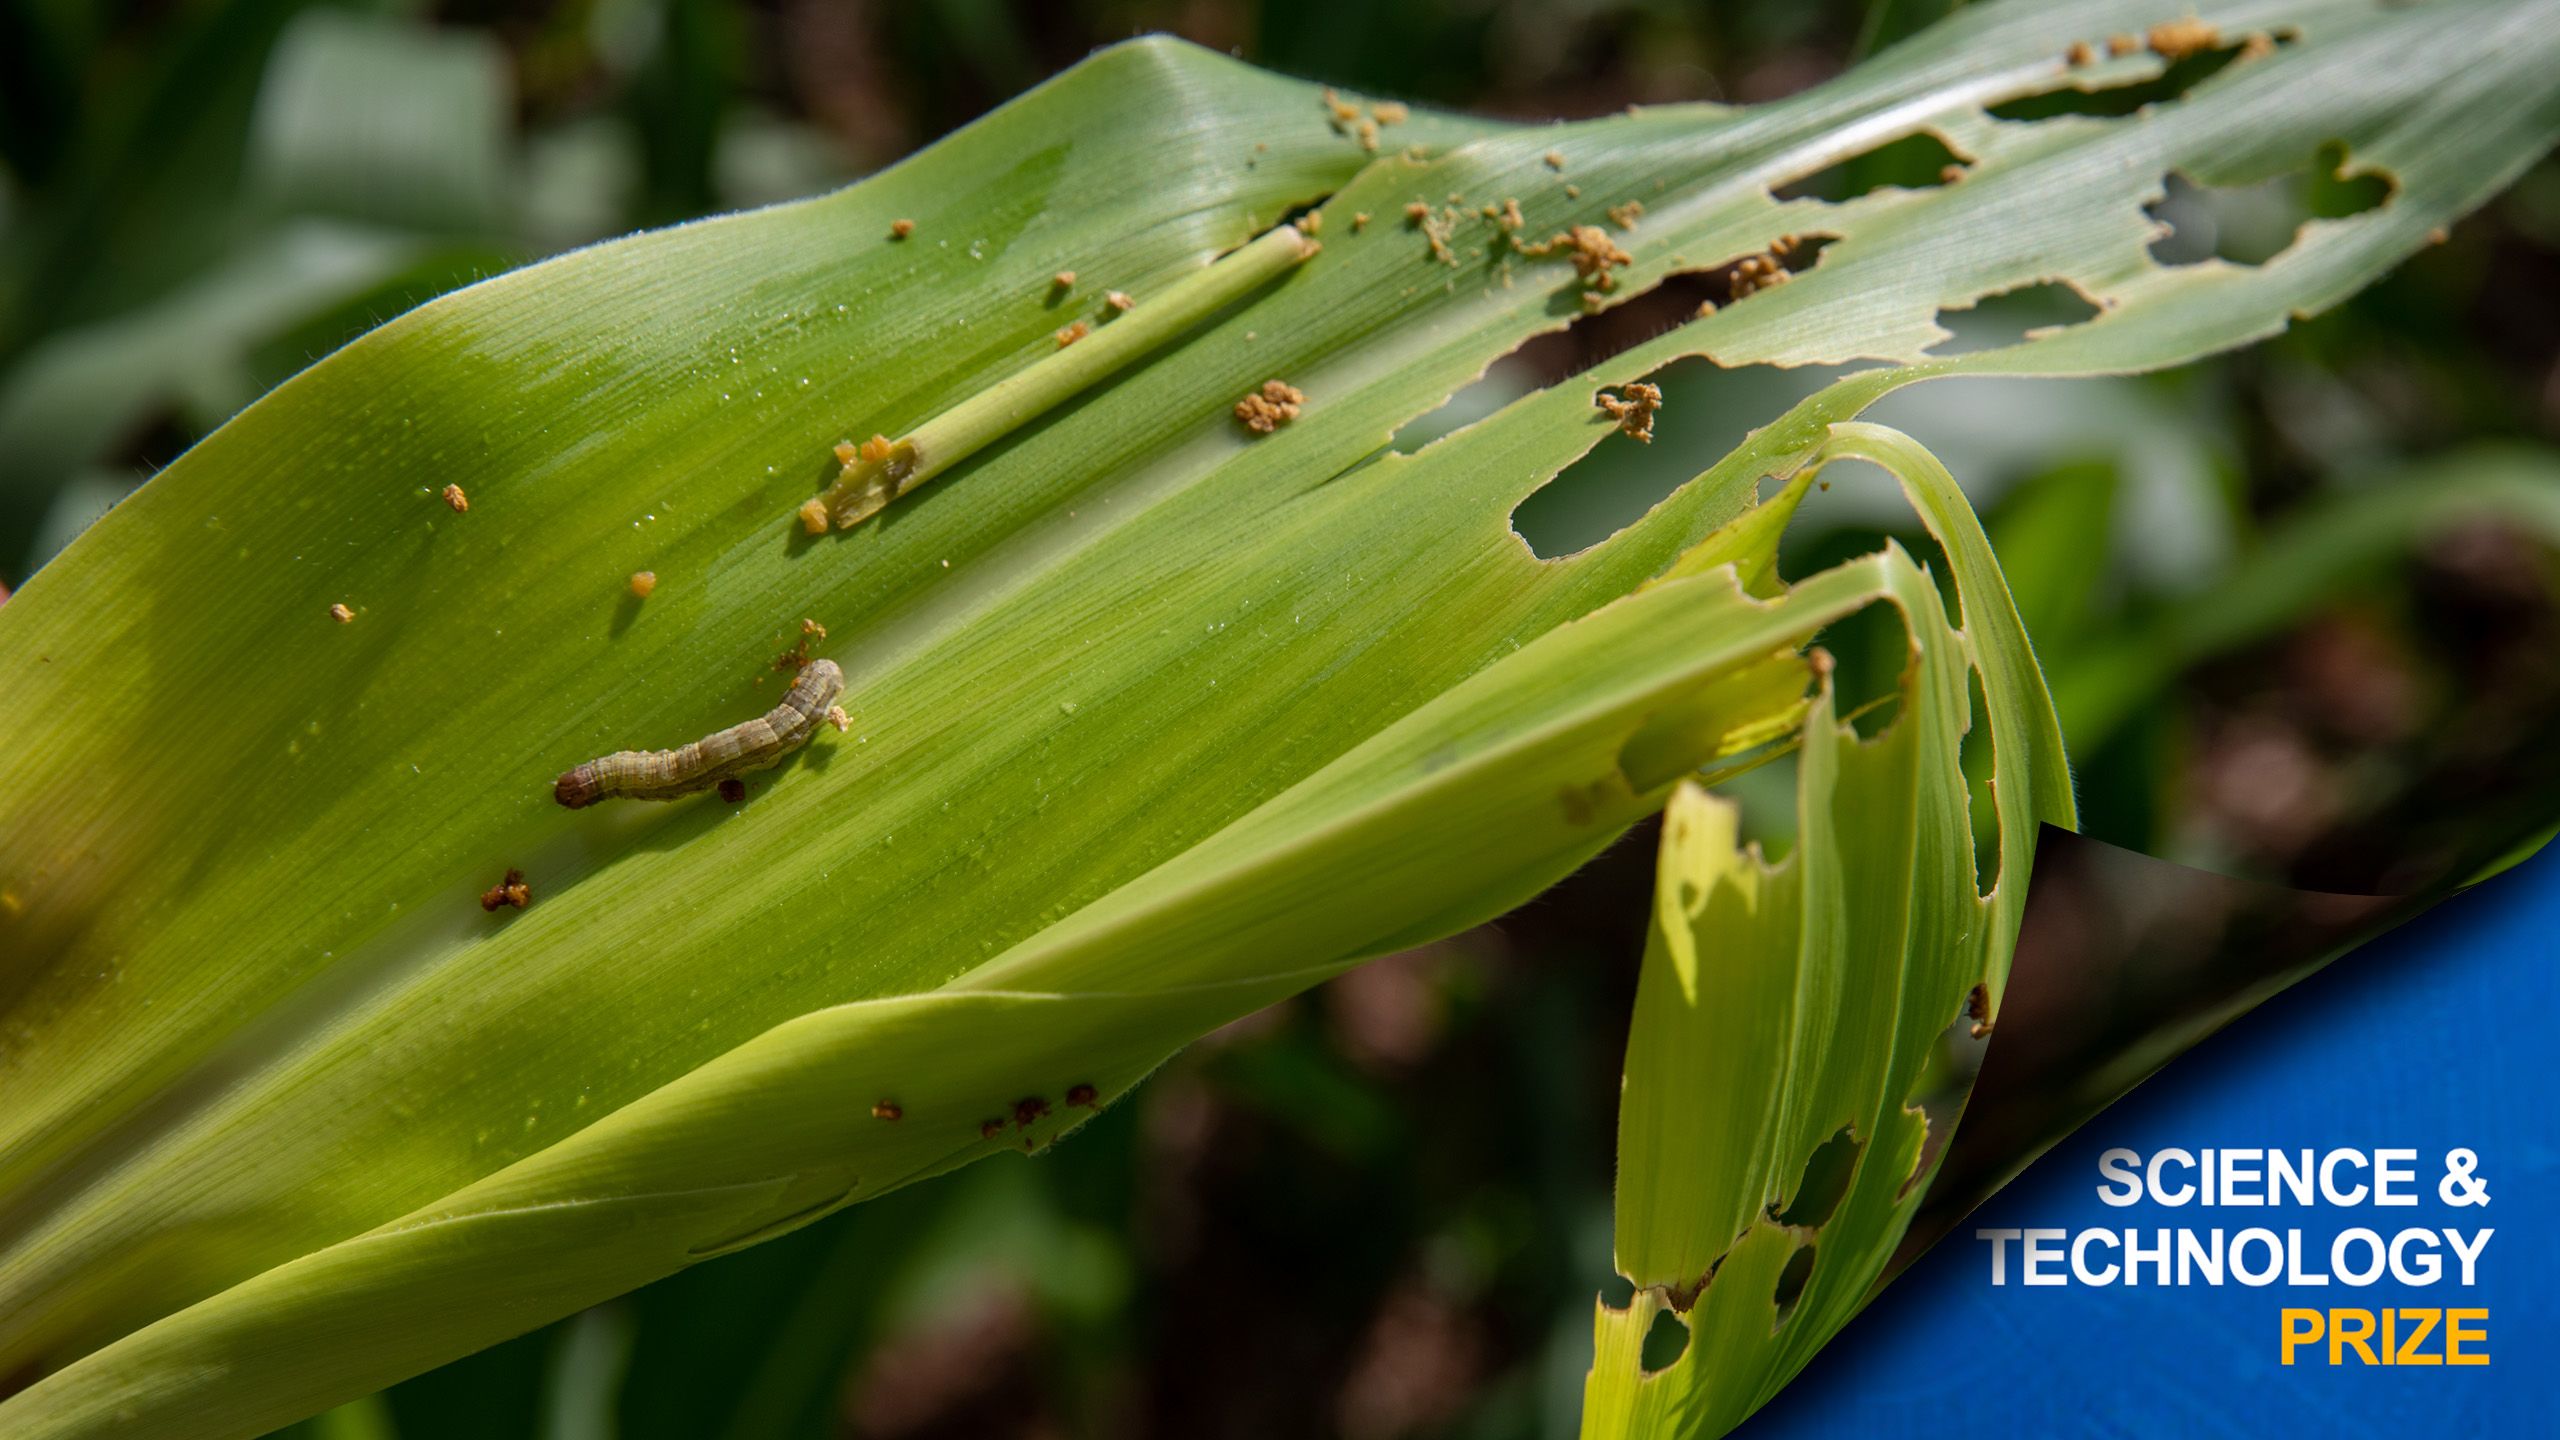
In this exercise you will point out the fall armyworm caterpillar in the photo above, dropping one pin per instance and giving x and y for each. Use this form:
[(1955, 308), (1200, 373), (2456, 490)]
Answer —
[(666, 774)]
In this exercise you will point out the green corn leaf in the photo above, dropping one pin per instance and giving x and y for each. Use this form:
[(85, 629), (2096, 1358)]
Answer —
[(1784, 1099), (261, 1050)]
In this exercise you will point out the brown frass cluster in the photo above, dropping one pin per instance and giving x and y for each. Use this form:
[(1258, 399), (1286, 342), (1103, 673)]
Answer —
[(1633, 409), (2175, 40), (1593, 253), (1754, 273), (510, 891), (1267, 409)]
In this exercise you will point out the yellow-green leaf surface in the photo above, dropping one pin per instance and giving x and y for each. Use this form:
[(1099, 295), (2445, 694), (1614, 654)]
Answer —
[(249, 1008), (1772, 1137)]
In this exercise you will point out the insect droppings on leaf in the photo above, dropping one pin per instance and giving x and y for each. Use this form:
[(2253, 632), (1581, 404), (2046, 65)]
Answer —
[(1754, 273), (1593, 253), (1625, 216), (733, 790), (813, 517), (1117, 299), (2120, 46), (1073, 333), (900, 229), (1081, 1095), (2175, 40), (454, 497), (1063, 280), (341, 613), (2079, 54), (990, 1129), (1436, 229), (643, 582), (887, 1110), (1027, 1110), (1635, 412), (790, 661), (839, 719), (1555, 161), (511, 891), (1274, 405)]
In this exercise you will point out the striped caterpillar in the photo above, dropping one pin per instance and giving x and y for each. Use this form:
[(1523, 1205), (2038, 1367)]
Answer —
[(753, 745)]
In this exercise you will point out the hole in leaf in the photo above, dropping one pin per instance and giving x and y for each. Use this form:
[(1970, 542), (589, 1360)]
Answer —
[(2007, 317), (2117, 101), (2252, 224), (1617, 1291), (1600, 494), (1946, 1080), (1588, 340), (1827, 1172), (1794, 254), (1974, 755), (1665, 1341), (1921, 160), (1708, 410), (1871, 646), (1548, 359), (1791, 1282)]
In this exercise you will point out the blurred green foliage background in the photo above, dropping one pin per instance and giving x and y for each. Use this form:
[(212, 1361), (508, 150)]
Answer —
[(1380, 1210)]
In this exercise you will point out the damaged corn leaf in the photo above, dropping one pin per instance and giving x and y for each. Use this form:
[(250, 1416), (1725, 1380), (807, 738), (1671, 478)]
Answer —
[(1446, 817), (250, 1006), (1794, 1070)]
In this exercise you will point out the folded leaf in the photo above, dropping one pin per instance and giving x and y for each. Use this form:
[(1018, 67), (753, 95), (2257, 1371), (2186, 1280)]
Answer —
[(1788, 1089)]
